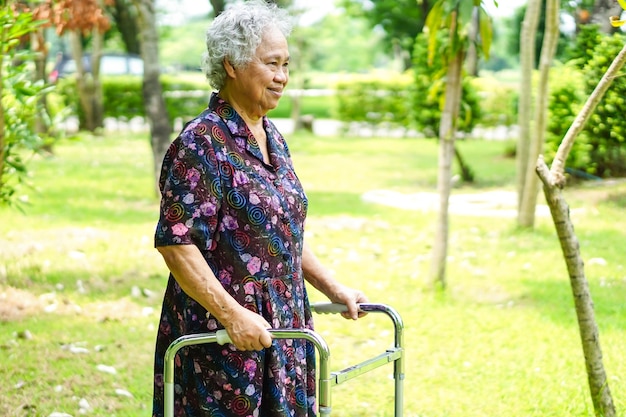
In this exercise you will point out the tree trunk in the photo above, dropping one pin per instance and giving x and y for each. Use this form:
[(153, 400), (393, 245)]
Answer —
[(471, 61), (526, 213), (97, 41), (447, 133), (467, 174), (88, 83), (42, 125), (589, 335), (553, 181), (126, 24), (527, 59), (160, 127), (218, 6)]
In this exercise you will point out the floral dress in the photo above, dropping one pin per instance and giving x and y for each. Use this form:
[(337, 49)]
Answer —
[(247, 218)]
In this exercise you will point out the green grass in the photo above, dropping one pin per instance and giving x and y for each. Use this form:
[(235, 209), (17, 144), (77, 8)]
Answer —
[(78, 269)]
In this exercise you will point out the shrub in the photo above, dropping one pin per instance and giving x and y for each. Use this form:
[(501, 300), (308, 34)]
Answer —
[(376, 101), (498, 102), (605, 132), (123, 97), (566, 96)]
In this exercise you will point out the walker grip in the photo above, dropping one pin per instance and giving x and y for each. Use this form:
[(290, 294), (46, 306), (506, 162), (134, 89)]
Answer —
[(329, 308), (222, 337)]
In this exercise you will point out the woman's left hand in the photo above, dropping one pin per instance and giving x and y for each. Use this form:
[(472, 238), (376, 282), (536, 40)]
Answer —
[(350, 298)]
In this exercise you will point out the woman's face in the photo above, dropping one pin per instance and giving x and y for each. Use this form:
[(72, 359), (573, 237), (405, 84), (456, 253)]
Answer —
[(260, 84)]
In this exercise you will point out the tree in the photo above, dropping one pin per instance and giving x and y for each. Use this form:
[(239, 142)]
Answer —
[(126, 24), (529, 187), (218, 6), (401, 20), (154, 102), (553, 180), (81, 18), (455, 17), (527, 60)]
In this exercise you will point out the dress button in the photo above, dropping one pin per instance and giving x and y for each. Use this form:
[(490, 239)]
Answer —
[(286, 256)]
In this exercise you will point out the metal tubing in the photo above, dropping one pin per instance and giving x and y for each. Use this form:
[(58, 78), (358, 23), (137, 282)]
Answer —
[(397, 356), (326, 379), (202, 338)]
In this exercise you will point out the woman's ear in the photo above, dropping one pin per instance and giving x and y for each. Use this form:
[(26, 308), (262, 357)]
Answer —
[(230, 69)]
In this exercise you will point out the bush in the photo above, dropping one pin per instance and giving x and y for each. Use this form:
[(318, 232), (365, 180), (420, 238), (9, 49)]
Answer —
[(598, 149), (498, 102), (320, 107), (605, 132), (564, 103), (123, 97), (376, 101)]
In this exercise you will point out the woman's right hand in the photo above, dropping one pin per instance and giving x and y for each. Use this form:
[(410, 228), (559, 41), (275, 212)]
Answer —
[(248, 330)]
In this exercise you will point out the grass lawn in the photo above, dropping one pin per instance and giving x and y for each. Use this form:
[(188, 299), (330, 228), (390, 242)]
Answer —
[(81, 285)]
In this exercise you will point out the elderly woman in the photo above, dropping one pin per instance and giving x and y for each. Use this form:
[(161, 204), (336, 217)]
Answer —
[(231, 231)]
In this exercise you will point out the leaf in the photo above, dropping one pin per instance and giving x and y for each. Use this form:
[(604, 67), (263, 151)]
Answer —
[(616, 22), (622, 3), (433, 22), (486, 32)]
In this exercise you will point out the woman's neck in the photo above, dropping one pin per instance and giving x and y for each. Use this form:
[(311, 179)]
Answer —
[(253, 120)]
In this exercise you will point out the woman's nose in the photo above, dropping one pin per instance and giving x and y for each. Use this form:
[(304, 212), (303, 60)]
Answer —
[(282, 74)]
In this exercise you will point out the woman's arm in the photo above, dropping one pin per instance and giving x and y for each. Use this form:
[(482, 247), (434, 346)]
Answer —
[(321, 278), (247, 329)]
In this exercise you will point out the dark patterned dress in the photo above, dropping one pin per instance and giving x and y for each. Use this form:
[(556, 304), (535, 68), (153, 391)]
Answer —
[(247, 219)]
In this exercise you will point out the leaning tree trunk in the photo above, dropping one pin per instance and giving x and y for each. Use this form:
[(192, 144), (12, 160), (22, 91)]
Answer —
[(527, 59), (154, 103), (554, 180), (526, 212), (447, 133)]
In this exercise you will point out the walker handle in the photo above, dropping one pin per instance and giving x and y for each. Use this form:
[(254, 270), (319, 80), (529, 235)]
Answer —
[(222, 337), (329, 308)]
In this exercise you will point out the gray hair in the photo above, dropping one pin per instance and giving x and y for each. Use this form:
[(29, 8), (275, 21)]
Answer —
[(236, 34)]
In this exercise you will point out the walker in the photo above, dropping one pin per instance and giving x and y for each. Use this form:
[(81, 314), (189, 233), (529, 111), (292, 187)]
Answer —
[(326, 379)]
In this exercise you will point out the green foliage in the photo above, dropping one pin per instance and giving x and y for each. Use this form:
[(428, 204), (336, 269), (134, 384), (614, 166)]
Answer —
[(498, 102), (606, 130), (515, 36), (582, 50), (320, 107), (566, 96), (456, 17), (19, 101), (337, 44), (375, 101), (599, 148), (401, 20), (123, 97), (430, 91)]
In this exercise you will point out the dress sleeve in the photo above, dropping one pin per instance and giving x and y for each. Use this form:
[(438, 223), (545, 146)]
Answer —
[(191, 193)]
